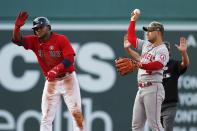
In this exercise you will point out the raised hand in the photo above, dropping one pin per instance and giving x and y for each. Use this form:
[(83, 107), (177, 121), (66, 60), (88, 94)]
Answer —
[(135, 14), (182, 47), (21, 18)]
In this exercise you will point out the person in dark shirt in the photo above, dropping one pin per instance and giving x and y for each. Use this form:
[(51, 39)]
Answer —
[(172, 72)]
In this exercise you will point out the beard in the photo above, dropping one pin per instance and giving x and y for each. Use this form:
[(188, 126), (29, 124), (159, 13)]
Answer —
[(152, 40), (44, 36)]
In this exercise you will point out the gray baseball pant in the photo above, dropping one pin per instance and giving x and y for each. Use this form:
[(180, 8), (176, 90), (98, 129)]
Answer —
[(147, 106)]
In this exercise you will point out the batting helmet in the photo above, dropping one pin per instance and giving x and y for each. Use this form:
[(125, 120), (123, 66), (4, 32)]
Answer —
[(40, 22)]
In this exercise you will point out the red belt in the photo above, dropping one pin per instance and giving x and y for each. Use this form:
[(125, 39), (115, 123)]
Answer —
[(145, 84)]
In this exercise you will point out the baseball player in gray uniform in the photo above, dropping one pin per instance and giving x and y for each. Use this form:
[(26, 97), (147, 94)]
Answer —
[(154, 57)]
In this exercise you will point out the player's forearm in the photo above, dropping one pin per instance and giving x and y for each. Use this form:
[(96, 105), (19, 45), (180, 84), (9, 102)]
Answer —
[(16, 36), (185, 59), (156, 65), (131, 34), (66, 63), (133, 54), (20, 21)]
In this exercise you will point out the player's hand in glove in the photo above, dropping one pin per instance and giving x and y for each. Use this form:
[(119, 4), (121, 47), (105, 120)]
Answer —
[(125, 65), (20, 20), (53, 73)]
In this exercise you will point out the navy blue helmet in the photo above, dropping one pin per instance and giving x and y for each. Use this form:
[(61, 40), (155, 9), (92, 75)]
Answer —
[(41, 22)]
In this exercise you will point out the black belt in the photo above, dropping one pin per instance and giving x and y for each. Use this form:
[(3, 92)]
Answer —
[(63, 75)]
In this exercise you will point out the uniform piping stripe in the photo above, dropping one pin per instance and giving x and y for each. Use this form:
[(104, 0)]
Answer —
[(156, 110)]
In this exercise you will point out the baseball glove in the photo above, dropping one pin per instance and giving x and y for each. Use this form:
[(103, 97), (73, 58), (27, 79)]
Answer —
[(125, 65)]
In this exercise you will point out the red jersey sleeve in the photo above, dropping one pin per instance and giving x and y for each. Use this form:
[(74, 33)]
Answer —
[(131, 34), (156, 65), (27, 42), (66, 47)]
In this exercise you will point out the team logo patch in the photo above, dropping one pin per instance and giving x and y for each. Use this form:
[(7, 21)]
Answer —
[(51, 47), (163, 57)]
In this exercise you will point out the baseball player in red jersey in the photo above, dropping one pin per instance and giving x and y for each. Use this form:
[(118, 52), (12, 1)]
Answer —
[(56, 58)]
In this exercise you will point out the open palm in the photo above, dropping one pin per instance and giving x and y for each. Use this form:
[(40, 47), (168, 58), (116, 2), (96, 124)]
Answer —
[(182, 47)]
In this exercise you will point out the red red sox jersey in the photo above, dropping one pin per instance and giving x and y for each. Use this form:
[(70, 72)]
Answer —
[(50, 53), (151, 53)]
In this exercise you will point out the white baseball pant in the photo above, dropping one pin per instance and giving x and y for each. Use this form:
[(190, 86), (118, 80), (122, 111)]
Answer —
[(68, 88)]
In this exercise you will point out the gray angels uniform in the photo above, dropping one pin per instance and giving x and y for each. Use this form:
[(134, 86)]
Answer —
[(147, 105)]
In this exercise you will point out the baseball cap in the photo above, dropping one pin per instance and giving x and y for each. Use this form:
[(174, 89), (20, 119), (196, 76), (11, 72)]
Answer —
[(154, 26)]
